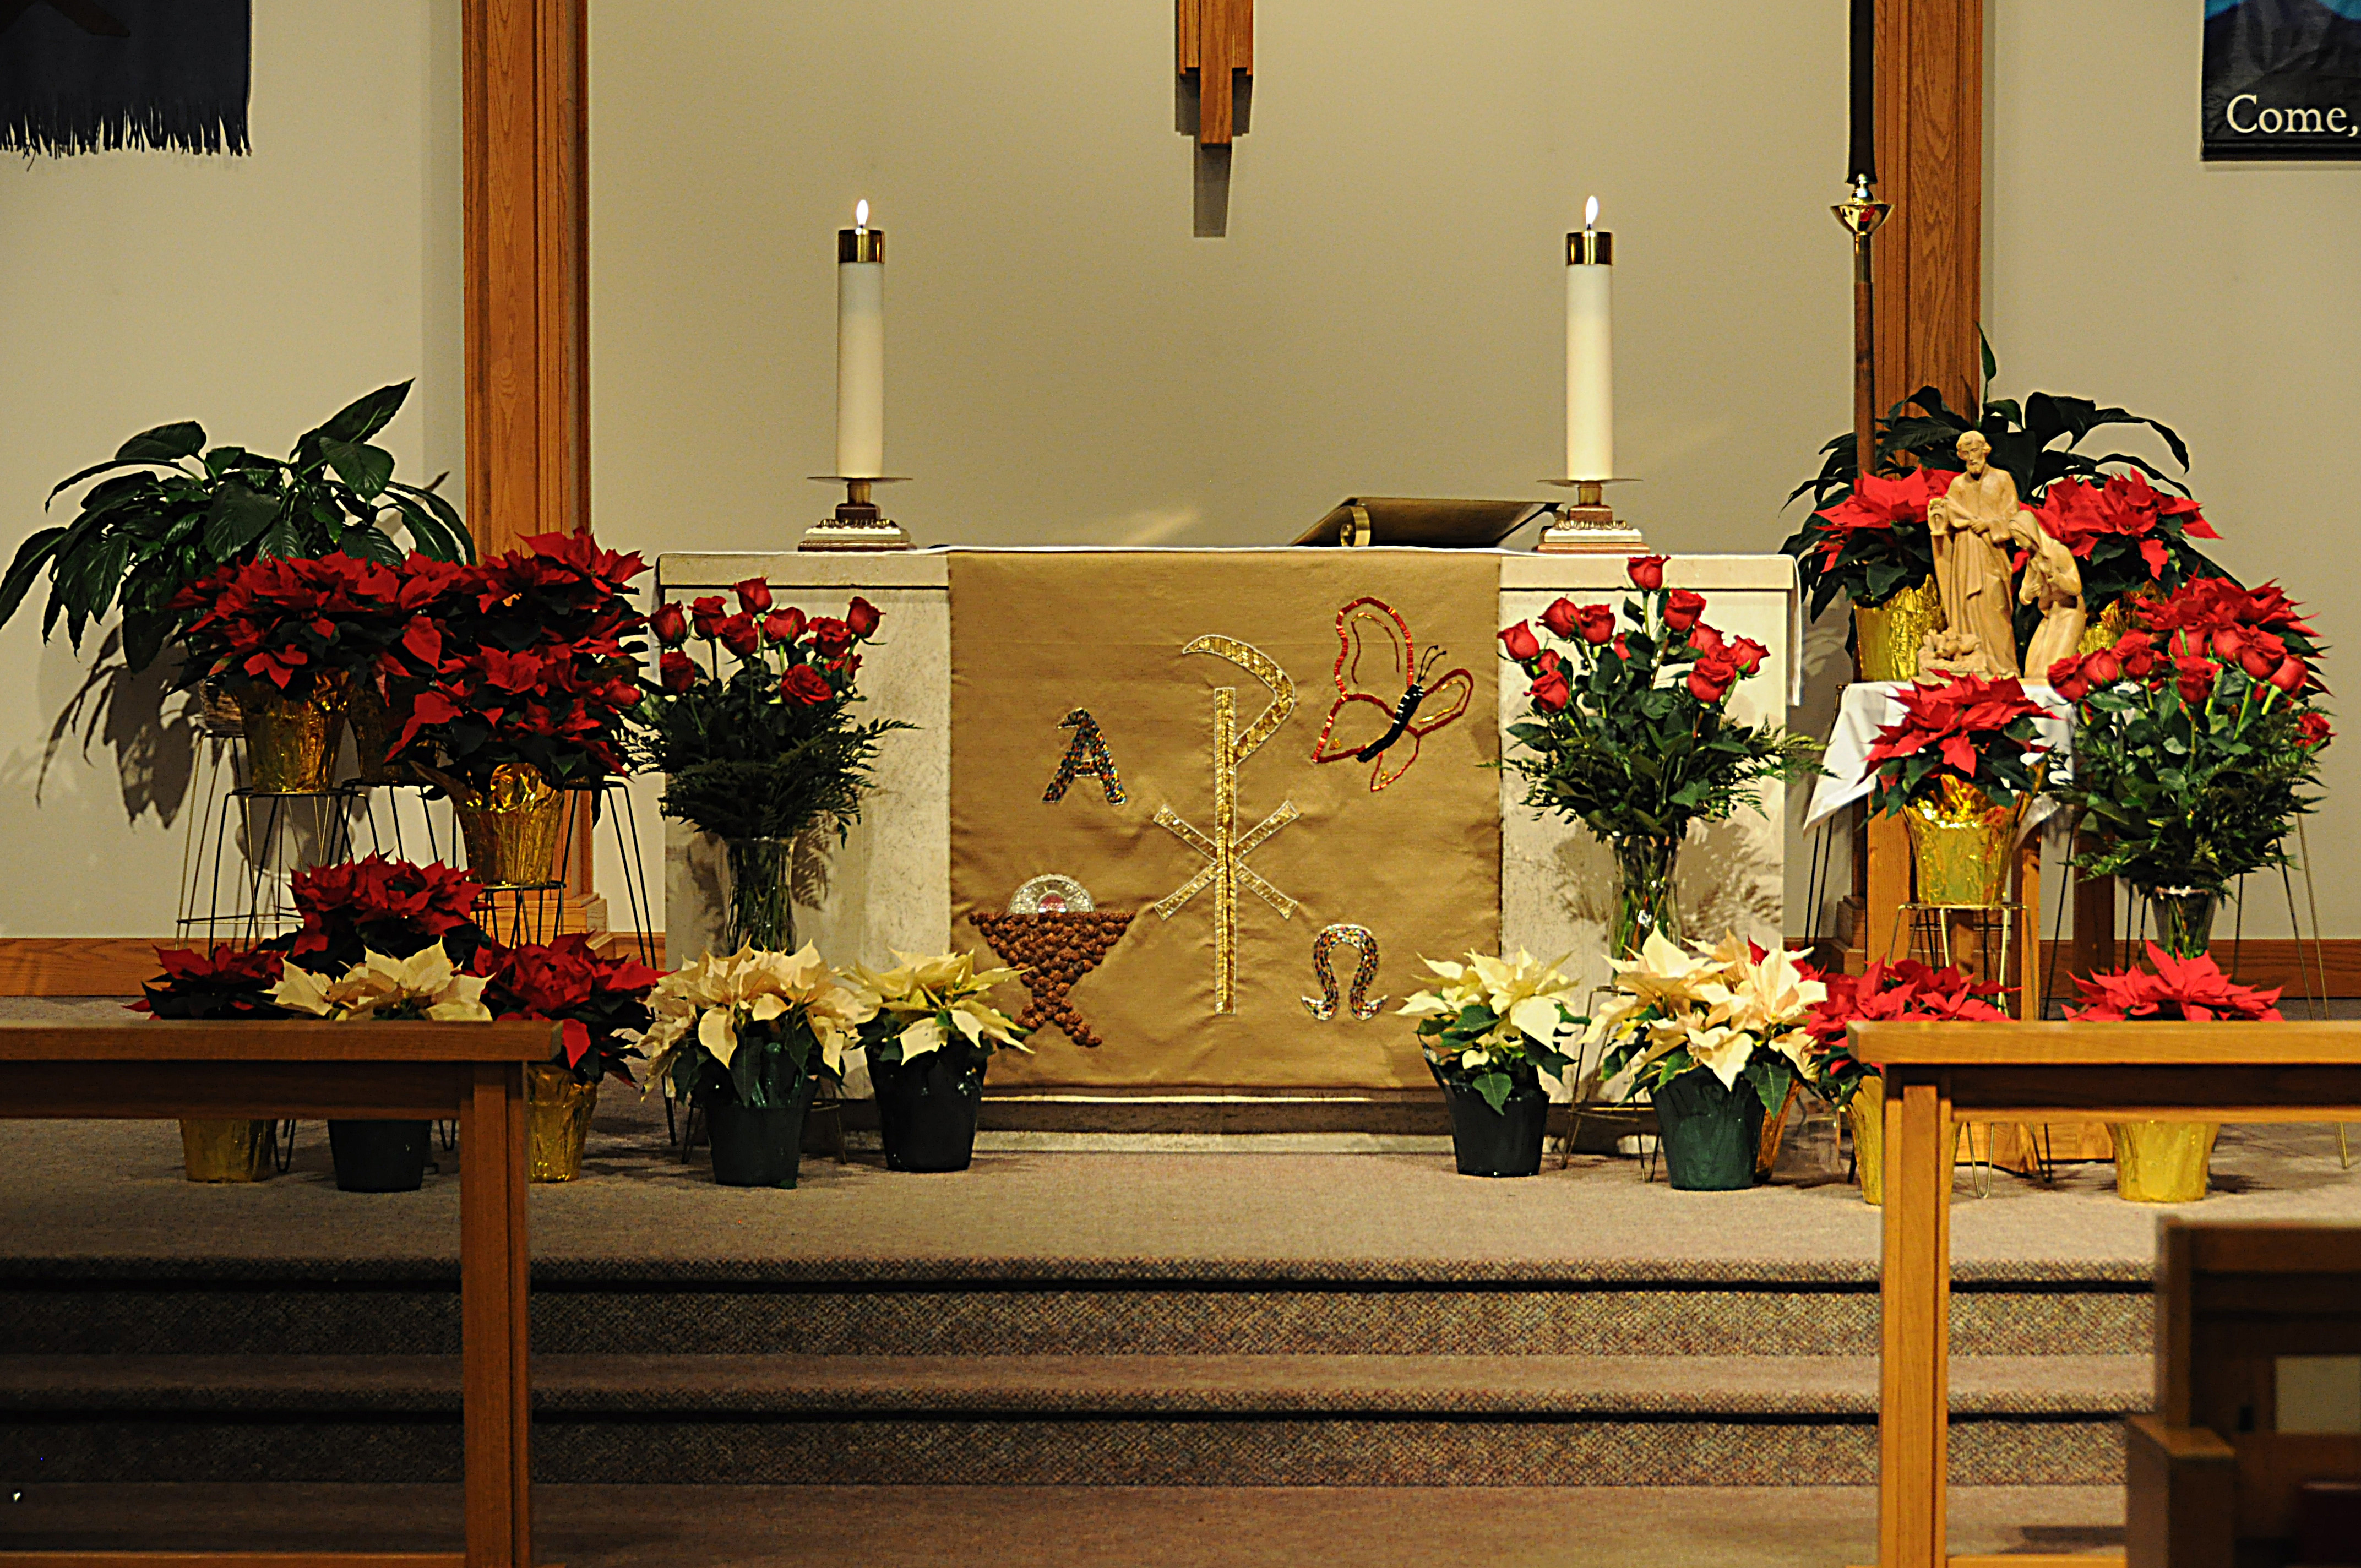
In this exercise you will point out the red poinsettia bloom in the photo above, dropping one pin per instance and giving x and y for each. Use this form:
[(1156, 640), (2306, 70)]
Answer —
[(2078, 513), (862, 617), (806, 687), (226, 982), (1906, 988), (2194, 990), (1876, 504), (1951, 717), (1647, 572), (669, 624), (1520, 643), (567, 978)]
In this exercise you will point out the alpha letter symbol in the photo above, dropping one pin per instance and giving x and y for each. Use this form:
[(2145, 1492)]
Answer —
[(1086, 758)]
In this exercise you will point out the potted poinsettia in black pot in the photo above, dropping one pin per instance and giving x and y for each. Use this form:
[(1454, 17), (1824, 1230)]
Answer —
[(1490, 1032), (746, 1039), (928, 1041)]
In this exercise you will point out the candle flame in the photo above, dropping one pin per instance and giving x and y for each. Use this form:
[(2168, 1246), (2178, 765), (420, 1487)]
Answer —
[(1590, 214), (861, 214)]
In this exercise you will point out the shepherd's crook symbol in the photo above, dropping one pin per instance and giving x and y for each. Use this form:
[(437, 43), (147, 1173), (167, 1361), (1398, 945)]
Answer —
[(1225, 850)]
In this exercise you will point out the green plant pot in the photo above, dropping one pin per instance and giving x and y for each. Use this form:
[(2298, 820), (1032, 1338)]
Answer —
[(758, 1147), (1507, 1142), (927, 1110), (1709, 1135), (378, 1156)]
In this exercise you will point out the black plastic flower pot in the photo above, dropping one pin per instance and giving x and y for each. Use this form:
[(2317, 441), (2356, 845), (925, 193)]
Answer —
[(927, 1110), (1507, 1142), (758, 1147), (1710, 1134), (378, 1156)]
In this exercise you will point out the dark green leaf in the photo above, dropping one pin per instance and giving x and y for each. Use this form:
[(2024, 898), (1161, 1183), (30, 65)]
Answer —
[(165, 443), (366, 468)]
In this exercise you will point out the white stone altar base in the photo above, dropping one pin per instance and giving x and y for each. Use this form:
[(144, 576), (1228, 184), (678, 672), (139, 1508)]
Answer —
[(889, 885)]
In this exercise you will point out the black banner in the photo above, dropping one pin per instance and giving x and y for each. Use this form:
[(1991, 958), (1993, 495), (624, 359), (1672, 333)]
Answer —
[(2282, 79), (91, 75)]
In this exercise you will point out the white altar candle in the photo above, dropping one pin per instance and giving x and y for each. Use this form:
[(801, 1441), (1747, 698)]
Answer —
[(1589, 350), (859, 349)]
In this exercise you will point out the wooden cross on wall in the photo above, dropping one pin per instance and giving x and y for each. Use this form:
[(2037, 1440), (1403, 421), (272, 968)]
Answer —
[(1214, 39)]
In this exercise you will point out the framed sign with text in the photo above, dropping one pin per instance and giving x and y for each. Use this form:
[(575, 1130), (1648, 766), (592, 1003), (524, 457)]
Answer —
[(2282, 79)]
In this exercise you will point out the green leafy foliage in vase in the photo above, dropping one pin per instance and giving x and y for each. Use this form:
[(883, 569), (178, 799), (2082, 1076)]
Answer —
[(185, 510), (2195, 739), (1868, 539), (1628, 732), (771, 748)]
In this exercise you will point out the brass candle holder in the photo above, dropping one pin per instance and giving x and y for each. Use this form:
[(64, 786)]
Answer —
[(857, 523), (1587, 525)]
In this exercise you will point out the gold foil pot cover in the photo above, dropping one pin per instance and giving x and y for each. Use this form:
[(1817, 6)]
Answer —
[(290, 742), (512, 827), (1866, 1113), (1962, 843), (2163, 1162), (558, 1121), (214, 1150), (1887, 637)]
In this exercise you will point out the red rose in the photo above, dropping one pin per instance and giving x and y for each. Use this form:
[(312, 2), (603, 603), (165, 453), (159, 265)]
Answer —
[(830, 636), (741, 635), (1622, 647), (805, 686), (670, 626), (1749, 653), (2228, 643), (2313, 730), (1560, 619), (2103, 668), (2195, 679), (1595, 622), (861, 616), (1647, 571), (1520, 643), (2258, 663), (2289, 675), (1550, 692), (1711, 676), (1682, 608), (754, 596), (2066, 680), (707, 614), (677, 671), (784, 625)]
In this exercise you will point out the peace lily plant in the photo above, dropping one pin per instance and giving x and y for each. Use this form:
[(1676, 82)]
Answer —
[(1494, 1025), (751, 1025)]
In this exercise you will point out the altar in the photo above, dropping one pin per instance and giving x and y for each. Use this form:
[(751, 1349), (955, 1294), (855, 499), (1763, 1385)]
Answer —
[(1151, 775)]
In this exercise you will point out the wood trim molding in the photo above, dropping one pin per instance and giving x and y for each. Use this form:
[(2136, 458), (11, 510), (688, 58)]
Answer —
[(116, 966), (1930, 117)]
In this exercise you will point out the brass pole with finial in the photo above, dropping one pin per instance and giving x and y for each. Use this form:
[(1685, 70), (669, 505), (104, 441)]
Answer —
[(1861, 214)]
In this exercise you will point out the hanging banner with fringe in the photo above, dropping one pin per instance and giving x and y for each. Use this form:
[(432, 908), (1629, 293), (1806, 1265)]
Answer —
[(93, 75)]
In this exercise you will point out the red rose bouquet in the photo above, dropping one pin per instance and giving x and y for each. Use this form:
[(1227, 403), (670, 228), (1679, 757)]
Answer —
[(2195, 738), (532, 661), (284, 623), (1975, 731), (377, 905), (1906, 989), (598, 999), (756, 737), (2194, 990)]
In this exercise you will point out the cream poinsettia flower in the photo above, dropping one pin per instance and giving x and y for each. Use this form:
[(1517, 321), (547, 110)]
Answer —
[(1666, 979), (1526, 999), (1763, 996), (424, 985), (721, 998), (930, 999), (1720, 1050)]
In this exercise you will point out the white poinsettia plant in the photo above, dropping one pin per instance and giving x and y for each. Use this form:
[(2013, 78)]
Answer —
[(751, 1024), (424, 985), (927, 1004), (1494, 1023), (1736, 1011)]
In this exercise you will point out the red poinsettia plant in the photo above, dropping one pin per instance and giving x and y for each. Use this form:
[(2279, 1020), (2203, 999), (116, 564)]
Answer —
[(224, 982), (533, 660), (1872, 543), (282, 623), (380, 906), (758, 739), (2125, 535), (1978, 731), (2194, 990), (2196, 738), (1628, 729), (1902, 989), (598, 998)]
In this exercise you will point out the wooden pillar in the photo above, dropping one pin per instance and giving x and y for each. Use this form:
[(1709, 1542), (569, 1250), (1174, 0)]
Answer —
[(524, 79), (1930, 108), (1914, 1368)]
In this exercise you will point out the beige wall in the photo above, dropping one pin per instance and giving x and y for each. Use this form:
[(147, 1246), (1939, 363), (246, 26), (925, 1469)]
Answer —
[(1066, 363), (2219, 299), (256, 295)]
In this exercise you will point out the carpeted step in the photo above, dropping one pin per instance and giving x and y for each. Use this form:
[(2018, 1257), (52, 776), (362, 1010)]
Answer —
[(1039, 1419)]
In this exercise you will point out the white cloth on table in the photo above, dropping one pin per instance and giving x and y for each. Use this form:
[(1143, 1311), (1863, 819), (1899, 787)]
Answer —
[(1870, 705)]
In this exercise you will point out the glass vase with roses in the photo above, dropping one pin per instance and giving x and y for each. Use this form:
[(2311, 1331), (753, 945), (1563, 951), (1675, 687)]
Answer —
[(757, 737), (1627, 730)]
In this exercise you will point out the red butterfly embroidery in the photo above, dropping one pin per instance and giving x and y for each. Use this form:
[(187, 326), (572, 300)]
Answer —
[(1439, 700)]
